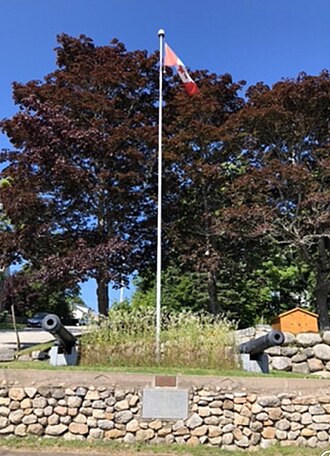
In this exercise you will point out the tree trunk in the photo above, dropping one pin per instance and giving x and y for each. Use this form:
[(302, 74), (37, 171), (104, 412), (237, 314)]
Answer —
[(212, 290), (321, 297), (102, 292)]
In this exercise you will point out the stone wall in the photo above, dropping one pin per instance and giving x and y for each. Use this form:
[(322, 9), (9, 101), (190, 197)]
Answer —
[(305, 353), (224, 412)]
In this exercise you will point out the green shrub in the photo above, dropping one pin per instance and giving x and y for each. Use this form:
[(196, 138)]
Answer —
[(127, 338)]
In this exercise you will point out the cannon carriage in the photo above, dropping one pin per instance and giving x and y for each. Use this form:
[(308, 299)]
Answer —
[(252, 353), (64, 350)]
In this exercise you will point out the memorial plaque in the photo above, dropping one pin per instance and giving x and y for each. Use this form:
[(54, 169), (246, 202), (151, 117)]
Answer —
[(165, 404)]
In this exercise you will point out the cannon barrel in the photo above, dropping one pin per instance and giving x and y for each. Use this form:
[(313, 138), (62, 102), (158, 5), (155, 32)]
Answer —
[(257, 346), (52, 324)]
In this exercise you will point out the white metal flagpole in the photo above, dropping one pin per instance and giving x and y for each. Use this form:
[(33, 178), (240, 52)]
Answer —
[(161, 35)]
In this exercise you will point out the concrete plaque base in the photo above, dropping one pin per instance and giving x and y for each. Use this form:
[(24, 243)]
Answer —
[(165, 404)]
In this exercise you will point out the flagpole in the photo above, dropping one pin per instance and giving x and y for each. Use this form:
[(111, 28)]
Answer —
[(161, 35)]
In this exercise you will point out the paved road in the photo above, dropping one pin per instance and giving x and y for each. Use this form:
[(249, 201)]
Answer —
[(28, 337), (31, 336)]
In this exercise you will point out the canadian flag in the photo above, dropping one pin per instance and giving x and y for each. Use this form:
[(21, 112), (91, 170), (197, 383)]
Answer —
[(171, 59)]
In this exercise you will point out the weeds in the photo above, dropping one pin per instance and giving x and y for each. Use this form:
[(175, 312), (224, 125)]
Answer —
[(127, 338)]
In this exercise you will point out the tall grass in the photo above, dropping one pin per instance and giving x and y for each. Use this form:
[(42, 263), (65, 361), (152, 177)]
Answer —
[(127, 338)]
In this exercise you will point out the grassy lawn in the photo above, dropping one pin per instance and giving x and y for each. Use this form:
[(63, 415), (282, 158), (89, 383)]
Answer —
[(121, 449), (44, 365)]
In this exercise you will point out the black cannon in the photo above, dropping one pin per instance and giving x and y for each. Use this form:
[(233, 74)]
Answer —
[(64, 351), (252, 352)]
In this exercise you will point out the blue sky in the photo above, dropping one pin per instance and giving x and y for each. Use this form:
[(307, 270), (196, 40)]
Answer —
[(254, 40)]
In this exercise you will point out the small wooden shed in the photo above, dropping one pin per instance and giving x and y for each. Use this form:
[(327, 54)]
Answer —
[(296, 321)]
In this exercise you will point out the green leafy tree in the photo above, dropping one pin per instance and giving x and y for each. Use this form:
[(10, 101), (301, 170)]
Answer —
[(283, 194), (180, 290), (84, 139), (29, 296), (197, 172)]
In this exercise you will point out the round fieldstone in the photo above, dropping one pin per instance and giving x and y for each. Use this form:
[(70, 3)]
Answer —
[(74, 402), (321, 374), (163, 432), (123, 417), (78, 428), (283, 425), (228, 438), (289, 351), (16, 416), (96, 433), (43, 421), (289, 339), (53, 419), (316, 410), (70, 437), (211, 420), (58, 393), (35, 429), (133, 426), (30, 392), (214, 431), (322, 436), (99, 405), (20, 430), (326, 337), (194, 421), (322, 351), (315, 365), (66, 419), (299, 357), (200, 431), (16, 394), (56, 430), (81, 391), (92, 422), (4, 411), (92, 395), (243, 442), (269, 433), (129, 438), (256, 426), (309, 352), (30, 419), (80, 418), (60, 410), (269, 401), (134, 400), (273, 351), (281, 435), (300, 368), (14, 405), (114, 434), (281, 363), (99, 414), (106, 425), (275, 413), (144, 435), (122, 405), (308, 339), (39, 402), (155, 425), (47, 410), (7, 430)]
